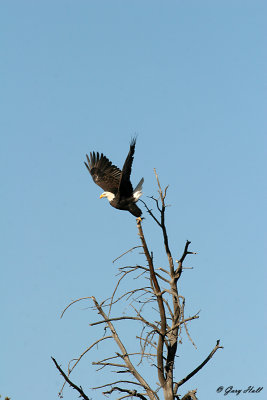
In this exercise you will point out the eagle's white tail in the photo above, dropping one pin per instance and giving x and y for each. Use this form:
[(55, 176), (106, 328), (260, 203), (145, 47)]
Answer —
[(137, 193)]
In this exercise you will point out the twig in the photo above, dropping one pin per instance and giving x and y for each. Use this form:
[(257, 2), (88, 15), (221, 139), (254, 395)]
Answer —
[(130, 392), (150, 213), (114, 383), (75, 301), (80, 357), (180, 262), (189, 376), (123, 254), (79, 389), (182, 322), (126, 317), (191, 395), (106, 364), (185, 324)]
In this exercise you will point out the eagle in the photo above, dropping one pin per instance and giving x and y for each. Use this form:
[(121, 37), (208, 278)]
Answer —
[(115, 182)]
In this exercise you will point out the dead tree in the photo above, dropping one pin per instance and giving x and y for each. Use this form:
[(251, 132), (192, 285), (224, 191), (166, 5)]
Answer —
[(155, 304)]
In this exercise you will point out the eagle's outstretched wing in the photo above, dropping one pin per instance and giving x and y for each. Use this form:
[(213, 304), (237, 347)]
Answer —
[(125, 186), (104, 174)]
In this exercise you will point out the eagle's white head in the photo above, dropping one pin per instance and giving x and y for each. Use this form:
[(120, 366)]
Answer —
[(110, 196)]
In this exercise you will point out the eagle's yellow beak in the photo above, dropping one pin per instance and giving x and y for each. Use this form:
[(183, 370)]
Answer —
[(102, 195)]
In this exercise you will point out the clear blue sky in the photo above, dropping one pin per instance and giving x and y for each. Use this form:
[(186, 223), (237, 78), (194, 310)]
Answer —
[(78, 76)]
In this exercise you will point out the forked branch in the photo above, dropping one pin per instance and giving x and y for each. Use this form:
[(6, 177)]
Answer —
[(67, 379), (195, 371)]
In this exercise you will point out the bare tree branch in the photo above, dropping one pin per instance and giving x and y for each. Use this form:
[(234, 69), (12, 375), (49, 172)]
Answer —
[(185, 324), (75, 387), (182, 322), (70, 369), (191, 395), (114, 383), (128, 251), (180, 262), (74, 301), (105, 364), (122, 318), (189, 376), (125, 355), (157, 291), (150, 212), (131, 393)]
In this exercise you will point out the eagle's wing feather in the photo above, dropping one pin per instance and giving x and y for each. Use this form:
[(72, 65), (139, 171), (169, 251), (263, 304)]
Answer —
[(125, 187), (104, 173)]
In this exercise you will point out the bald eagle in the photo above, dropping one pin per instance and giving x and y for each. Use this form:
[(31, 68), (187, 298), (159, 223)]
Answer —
[(115, 182)]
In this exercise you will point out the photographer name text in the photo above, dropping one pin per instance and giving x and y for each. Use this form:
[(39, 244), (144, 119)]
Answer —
[(231, 390)]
